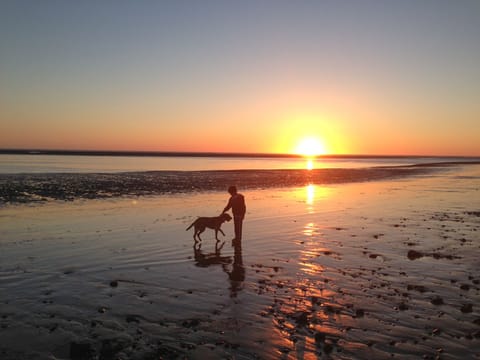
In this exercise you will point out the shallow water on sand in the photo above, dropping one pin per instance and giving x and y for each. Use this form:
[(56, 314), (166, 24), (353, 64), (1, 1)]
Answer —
[(41, 163), (367, 270)]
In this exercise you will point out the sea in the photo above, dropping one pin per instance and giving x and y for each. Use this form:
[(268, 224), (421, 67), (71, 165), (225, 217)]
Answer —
[(60, 163)]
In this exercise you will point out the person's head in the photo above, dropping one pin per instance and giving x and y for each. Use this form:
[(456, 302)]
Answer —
[(232, 190)]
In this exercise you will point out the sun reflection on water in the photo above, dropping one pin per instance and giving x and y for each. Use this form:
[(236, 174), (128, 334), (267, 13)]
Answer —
[(314, 193), (306, 312), (309, 164), (310, 189), (308, 229)]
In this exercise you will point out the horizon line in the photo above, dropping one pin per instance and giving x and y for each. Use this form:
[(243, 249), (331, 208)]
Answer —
[(166, 153)]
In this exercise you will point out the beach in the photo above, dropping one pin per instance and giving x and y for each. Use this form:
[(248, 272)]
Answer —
[(381, 265)]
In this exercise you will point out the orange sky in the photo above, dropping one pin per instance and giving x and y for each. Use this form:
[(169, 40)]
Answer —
[(399, 79)]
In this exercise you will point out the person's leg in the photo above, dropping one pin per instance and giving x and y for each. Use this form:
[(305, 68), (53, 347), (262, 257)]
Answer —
[(238, 220)]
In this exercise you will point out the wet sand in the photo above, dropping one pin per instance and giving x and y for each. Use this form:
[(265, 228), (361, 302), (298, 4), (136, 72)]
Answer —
[(27, 188), (368, 270)]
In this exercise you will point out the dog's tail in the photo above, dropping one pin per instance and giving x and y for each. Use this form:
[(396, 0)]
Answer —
[(188, 228)]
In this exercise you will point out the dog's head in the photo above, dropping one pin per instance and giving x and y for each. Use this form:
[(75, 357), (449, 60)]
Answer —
[(225, 217)]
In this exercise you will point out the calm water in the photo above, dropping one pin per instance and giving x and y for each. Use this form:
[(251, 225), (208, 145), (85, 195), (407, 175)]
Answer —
[(11, 164)]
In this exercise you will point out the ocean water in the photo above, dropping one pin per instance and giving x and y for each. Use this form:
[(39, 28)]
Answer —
[(29, 163)]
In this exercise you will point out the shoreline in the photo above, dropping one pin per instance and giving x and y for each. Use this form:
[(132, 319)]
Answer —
[(24, 188), (42, 187)]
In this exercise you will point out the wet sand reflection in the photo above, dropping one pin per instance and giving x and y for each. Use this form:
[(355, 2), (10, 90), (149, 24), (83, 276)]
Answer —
[(235, 270), (206, 259), (236, 274)]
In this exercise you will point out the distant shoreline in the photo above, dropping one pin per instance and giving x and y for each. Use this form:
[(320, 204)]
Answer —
[(28, 188), (44, 187), (213, 154)]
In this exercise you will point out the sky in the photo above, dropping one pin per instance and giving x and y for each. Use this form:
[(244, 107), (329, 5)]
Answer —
[(357, 77)]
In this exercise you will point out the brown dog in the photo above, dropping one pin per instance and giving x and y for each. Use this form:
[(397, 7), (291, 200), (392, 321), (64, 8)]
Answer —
[(209, 222)]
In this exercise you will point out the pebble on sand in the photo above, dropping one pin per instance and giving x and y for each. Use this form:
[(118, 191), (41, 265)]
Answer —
[(437, 300)]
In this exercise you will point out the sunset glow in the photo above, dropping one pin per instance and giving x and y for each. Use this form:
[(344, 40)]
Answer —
[(310, 146), (164, 76)]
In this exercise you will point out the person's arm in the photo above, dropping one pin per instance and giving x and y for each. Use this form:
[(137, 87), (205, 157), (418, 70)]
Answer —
[(228, 207)]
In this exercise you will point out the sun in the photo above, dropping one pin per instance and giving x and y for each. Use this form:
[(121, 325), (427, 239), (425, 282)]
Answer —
[(310, 146)]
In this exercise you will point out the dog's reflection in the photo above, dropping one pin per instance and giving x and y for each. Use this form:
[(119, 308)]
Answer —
[(235, 270), (206, 259)]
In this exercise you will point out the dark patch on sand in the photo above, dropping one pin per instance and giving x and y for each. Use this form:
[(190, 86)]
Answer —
[(414, 255), (25, 188)]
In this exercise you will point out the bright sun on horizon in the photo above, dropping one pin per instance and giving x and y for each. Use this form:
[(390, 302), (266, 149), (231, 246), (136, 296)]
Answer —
[(310, 146)]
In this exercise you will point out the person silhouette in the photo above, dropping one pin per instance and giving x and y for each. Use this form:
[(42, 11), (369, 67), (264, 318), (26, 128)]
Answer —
[(237, 204)]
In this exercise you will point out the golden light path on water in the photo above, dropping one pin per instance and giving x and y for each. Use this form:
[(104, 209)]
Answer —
[(314, 297), (310, 164)]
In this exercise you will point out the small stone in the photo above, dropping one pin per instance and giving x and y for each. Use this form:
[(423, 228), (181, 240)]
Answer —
[(319, 337), (191, 323), (413, 255), (132, 318), (437, 300), (114, 283), (359, 313), (467, 308), (80, 351), (328, 348), (418, 288)]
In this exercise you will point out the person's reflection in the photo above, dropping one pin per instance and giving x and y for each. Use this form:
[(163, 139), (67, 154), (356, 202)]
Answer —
[(237, 274)]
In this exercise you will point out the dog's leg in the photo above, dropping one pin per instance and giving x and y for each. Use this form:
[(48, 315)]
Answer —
[(218, 248), (221, 231), (198, 234)]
